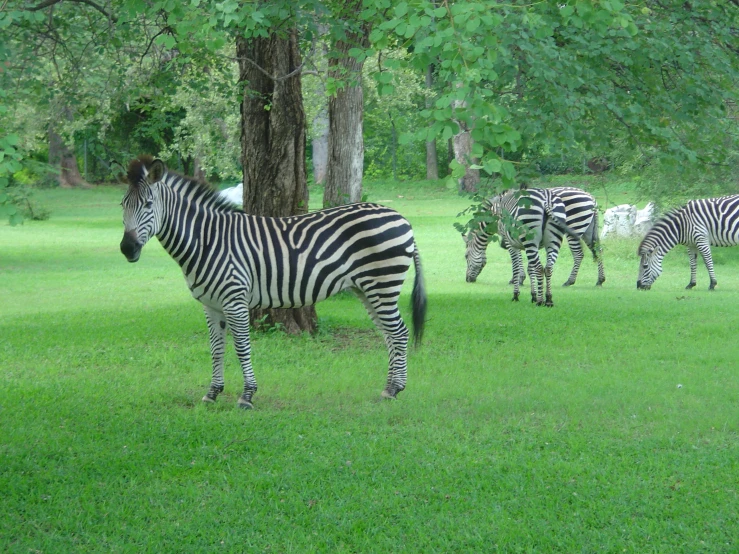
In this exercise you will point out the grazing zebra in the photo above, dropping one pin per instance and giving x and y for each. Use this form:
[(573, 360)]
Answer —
[(698, 225), (581, 215), (529, 220), (233, 261)]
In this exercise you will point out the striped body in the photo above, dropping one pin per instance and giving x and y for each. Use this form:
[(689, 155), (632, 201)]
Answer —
[(527, 220), (233, 261), (581, 216), (698, 225)]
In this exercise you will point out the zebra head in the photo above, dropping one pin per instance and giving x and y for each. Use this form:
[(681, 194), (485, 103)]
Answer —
[(650, 265), (475, 254), (141, 205)]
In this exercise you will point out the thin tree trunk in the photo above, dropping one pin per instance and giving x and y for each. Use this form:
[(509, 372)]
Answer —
[(197, 169), (345, 112), (394, 146), (462, 143), (273, 146), (63, 158), (320, 122), (432, 161), (320, 144)]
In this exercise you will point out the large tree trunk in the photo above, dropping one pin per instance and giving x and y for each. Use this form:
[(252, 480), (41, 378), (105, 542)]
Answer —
[(63, 158), (273, 146), (345, 112), (432, 162)]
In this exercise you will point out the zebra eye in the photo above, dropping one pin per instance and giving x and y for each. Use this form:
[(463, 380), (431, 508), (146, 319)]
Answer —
[(148, 204)]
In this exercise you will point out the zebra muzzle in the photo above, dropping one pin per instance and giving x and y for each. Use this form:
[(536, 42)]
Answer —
[(130, 247)]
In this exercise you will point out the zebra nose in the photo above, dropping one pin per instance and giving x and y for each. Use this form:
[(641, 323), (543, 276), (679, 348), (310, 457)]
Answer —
[(130, 247), (470, 279)]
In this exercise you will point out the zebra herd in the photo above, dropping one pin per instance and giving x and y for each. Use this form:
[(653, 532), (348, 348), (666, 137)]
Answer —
[(233, 261)]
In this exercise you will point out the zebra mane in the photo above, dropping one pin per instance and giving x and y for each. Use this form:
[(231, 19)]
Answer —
[(136, 168), (201, 190)]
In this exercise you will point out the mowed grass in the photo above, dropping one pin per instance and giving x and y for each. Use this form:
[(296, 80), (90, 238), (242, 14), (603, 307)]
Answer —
[(605, 424)]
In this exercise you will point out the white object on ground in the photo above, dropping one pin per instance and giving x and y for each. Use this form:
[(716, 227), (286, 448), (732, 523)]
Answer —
[(235, 195)]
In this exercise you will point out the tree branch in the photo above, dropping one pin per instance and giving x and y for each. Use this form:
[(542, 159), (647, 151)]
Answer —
[(49, 3)]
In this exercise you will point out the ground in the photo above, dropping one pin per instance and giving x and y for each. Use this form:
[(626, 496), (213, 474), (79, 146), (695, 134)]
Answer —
[(607, 423)]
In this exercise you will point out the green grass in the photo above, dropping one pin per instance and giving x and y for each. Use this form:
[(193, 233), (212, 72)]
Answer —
[(522, 429)]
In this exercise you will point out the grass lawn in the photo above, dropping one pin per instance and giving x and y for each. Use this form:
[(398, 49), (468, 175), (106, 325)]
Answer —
[(608, 423)]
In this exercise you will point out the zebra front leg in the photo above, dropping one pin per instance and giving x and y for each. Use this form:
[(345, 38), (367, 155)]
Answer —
[(552, 253), (383, 310), (519, 276), (237, 316), (597, 251), (577, 255), (536, 276), (693, 258), (217, 331)]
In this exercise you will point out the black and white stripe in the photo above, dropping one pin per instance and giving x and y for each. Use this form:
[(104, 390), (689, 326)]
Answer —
[(527, 220), (581, 215), (233, 261), (698, 225)]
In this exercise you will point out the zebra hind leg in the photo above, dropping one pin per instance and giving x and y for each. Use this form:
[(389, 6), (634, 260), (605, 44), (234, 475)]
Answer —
[(383, 310)]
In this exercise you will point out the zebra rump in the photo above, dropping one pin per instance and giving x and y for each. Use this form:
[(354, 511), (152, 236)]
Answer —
[(527, 220), (581, 215), (233, 261)]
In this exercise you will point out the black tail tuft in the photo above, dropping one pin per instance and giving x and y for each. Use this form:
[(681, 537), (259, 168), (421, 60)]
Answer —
[(418, 299)]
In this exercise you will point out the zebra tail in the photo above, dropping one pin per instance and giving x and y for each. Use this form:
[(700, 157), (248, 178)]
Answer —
[(418, 299)]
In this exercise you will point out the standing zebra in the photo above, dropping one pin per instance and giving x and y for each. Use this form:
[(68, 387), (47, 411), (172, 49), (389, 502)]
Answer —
[(698, 225), (581, 215), (529, 219), (233, 261)]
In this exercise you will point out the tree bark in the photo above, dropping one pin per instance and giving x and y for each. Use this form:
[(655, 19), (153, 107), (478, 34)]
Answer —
[(345, 113), (320, 145), (462, 143), (273, 146), (432, 161), (63, 158)]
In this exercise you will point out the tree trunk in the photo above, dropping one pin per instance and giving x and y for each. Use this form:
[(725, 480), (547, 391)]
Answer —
[(393, 145), (432, 162), (63, 158), (345, 112), (462, 143), (197, 169), (273, 146), (320, 144)]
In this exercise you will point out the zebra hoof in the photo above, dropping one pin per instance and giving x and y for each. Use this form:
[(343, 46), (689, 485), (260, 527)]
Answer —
[(208, 400), (389, 394), (690, 286), (245, 404), (568, 283)]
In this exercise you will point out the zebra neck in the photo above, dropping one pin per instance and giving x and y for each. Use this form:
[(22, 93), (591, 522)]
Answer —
[(185, 221)]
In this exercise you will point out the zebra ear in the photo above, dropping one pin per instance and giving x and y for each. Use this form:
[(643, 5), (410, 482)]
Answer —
[(156, 171)]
